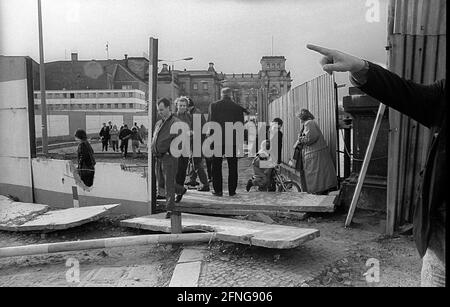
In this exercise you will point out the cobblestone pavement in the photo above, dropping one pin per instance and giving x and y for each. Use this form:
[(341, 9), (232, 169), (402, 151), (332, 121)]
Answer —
[(233, 266), (337, 258)]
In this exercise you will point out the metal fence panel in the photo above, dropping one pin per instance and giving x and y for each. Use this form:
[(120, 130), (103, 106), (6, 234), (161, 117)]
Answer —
[(318, 96), (418, 46)]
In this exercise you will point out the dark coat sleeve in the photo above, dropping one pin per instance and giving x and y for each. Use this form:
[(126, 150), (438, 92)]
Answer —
[(85, 156), (422, 103)]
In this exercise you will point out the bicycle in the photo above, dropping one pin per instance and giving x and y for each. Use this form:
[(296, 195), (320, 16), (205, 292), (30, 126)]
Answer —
[(279, 183), (282, 183)]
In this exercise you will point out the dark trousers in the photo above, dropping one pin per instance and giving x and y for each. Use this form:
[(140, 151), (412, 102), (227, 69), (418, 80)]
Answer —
[(200, 171), (209, 167), (181, 170), (124, 147), (168, 166), (232, 174), (105, 144)]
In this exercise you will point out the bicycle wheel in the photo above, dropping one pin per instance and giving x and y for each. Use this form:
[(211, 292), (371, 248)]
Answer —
[(291, 187)]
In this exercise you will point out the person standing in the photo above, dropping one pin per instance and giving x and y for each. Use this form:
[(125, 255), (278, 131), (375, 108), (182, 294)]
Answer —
[(198, 168), (85, 157), (316, 163), (124, 136), (183, 161), (104, 136), (143, 131), (427, 104), (114, 136), (135, 140), (160, 147), (110, 126), (221, 112)]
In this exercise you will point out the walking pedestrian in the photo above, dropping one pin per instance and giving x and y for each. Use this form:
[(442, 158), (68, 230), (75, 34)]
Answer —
[(124, 136), (114, 136), (104, 136)]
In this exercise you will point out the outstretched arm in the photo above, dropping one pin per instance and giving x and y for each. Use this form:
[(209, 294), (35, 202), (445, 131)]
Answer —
[(423, 103)]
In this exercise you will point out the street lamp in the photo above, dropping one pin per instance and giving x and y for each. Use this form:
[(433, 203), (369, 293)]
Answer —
[(172, 83)]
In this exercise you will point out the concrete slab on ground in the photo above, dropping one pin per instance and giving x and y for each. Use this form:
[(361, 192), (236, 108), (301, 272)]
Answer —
[(231, 230), (13, 213), (186, 274), (254, 201), (59, 219)]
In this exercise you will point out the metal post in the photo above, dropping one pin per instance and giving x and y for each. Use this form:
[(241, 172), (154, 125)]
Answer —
[(42, 83), (347, 146), (152, 82), (173, 91)]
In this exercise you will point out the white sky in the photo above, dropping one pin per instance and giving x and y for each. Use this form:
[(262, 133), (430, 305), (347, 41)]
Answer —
[(234, 34)]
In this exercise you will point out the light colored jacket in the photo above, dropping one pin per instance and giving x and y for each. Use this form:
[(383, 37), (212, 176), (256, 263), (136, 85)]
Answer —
[(114, 134), (312, 138)]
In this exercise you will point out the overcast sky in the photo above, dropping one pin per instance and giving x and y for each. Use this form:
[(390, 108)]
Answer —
[(234, 34)]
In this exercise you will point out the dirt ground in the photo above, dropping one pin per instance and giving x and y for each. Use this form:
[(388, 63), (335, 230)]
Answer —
[(165, 256)]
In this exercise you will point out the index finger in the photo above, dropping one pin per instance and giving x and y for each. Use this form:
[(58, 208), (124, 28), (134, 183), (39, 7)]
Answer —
[(319, 49)]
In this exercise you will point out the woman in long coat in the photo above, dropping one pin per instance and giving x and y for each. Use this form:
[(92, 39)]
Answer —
[(312, 157)]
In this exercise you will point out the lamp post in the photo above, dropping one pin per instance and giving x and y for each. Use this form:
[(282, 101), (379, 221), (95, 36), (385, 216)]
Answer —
[(172, 82)]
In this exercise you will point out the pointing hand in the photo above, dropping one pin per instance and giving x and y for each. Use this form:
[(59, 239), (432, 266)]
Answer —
[(334, 60)]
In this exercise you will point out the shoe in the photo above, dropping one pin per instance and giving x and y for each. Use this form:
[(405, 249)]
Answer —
[(217, 194), (160, 197), (168, 215), (249, 185), (180, 196), (204, 189), (231, 193)]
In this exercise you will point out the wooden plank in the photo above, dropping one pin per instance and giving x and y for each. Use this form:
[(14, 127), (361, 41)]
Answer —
[(365, 164), (259, 201), (232, 230), (237, 212), (175, 221)]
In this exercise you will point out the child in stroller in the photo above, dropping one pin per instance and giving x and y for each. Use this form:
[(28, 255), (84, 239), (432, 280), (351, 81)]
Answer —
[(263, 166)]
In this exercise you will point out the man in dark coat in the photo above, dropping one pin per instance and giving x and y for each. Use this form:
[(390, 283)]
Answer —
[(221, 112), (104, 136), (427, 105), (124, 136)]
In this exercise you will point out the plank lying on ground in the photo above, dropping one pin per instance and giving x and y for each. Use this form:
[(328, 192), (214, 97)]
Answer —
[(201, 202), (231, 230), (13, 213), (61, 219)]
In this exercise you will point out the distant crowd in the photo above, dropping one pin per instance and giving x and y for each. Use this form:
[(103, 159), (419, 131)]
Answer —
[(110, 136)]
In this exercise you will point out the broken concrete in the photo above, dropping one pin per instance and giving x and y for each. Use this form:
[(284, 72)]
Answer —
[(17, 213), (231, 230), (53, 220)]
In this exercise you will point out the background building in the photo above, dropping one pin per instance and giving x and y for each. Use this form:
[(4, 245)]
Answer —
[(131, 73)]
